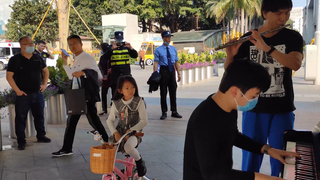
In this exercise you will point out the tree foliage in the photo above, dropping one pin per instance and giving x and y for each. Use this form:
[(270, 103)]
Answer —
[(26, 16)]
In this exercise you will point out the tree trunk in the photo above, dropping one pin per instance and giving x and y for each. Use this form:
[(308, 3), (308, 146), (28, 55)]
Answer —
[(172, 24), (144, 25), (238, 21), (242, 21), (246, 23), (254, 22), (197, 22), (224, 23)]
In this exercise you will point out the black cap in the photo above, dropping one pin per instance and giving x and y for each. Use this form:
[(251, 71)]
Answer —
[(166, 34), (118, 35)]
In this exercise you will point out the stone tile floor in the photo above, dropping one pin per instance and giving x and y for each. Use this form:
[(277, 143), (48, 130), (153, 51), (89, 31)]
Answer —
[(163, 143)]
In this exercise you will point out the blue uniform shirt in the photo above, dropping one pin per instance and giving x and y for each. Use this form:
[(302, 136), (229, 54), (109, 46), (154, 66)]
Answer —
[(160, 55)]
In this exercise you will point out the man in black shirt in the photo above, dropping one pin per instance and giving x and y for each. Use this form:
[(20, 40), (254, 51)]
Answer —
[(279, 52), (41, 45), (212, 128), (24, 76)]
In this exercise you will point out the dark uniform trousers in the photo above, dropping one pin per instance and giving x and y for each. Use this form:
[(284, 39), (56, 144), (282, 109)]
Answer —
[(116, 72), (168, 81)]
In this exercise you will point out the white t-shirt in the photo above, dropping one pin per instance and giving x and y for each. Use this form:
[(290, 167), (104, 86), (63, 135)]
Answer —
[(81, 62)]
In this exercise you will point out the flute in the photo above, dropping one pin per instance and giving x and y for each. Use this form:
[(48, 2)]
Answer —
[(244, 39)]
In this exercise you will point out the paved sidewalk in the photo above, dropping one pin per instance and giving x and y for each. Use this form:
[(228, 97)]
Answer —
[(162, 146)]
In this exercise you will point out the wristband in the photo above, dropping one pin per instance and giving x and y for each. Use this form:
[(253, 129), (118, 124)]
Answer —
[(271, 50)]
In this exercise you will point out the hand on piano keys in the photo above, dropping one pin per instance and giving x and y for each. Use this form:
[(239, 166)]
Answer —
[(302, 168), (279, 154)]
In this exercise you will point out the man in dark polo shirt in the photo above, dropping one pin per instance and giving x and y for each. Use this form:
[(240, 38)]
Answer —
[(40, 47), (24, 76)]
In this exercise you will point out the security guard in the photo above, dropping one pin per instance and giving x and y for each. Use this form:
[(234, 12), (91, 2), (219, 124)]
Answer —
[(41, 45), (119, 56), (166, 56)]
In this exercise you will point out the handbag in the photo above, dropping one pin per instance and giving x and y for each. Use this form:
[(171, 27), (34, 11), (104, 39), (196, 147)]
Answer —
[(76, 101)]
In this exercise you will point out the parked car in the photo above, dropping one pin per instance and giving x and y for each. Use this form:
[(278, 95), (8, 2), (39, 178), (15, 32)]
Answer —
[(7, 50)]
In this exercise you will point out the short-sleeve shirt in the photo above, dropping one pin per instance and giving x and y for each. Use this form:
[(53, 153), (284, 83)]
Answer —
[(160, 55), (279, 98), (27, 72), (43, 55)]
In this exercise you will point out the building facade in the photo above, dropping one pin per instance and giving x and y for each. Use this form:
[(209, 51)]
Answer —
[(5, 12), (296, 15), (311, 20)]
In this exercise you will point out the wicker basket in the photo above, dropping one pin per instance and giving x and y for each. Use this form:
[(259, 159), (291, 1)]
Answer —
[(102, 158)]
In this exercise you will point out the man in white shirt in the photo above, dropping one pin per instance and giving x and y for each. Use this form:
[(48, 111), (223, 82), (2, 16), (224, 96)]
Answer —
[(83, 62)]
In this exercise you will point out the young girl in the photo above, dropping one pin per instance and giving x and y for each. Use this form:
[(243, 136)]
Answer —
[(130, 109)]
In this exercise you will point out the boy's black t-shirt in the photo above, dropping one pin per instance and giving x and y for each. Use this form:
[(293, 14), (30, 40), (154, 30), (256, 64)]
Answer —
[(27, 77), (210, 137), (280, 97)]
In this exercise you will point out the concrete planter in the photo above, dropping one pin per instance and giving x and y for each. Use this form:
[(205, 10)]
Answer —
[(209, 71), (185, 76), (57, 109), (215, 70), (197, 74), (191, 75), (30, 129), (203, 73)]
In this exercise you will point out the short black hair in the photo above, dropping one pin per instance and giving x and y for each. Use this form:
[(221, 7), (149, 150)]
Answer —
[(22, 38), (41, 42), (74, 37), (275, 5), (245, 74), (104, 47), (121, 80)]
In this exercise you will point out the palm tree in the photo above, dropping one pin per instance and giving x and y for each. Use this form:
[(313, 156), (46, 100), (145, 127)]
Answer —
[(222, 9)]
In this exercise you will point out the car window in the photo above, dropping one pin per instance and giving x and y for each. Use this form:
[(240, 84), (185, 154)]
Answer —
[(4, 52), (149, 51), (16, 51)]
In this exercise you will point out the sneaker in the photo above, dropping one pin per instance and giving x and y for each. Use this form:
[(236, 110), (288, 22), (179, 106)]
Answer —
[(22, 146), (44, 139), (93, 132), (141, 168), (62, 153)]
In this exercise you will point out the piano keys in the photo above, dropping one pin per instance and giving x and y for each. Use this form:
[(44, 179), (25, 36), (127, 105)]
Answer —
[(308, 145)]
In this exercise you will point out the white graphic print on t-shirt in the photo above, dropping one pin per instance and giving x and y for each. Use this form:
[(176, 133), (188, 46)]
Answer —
[(275, 69)]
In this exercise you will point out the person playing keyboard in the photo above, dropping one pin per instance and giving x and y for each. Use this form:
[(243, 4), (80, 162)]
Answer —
[(212, 128)]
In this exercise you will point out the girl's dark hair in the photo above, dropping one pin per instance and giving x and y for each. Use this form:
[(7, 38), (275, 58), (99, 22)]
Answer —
[(245, 74), (121, 80), (275, 5)]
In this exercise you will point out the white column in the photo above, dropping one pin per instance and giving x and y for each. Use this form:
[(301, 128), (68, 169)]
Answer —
[(317, 40)]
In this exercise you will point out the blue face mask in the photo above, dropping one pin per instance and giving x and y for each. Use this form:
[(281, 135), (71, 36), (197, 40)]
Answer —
[(250, 104), (29, 49), (101, 52), (166, 43)]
